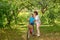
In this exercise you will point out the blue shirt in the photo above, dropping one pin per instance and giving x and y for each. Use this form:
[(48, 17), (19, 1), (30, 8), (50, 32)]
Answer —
[(31, 20)]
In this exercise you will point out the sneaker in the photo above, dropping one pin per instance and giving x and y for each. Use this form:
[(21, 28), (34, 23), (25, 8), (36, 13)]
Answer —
[(38, 35)]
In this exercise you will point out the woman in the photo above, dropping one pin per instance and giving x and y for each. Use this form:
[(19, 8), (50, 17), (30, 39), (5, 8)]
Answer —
[(37, 21)]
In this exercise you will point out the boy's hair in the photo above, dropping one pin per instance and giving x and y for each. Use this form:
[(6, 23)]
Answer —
[(36, 12), (32, 14)]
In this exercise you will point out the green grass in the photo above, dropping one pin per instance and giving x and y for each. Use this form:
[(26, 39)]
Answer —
[(47, 33), (50, 29)]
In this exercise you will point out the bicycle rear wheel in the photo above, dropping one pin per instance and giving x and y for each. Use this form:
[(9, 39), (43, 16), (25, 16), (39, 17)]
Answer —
[(28, 34)]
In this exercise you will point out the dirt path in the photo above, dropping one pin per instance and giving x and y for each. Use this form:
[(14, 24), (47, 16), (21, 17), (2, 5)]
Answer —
[(50, 36)]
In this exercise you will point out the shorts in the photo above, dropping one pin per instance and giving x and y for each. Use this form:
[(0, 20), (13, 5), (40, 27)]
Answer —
[(31, 24)]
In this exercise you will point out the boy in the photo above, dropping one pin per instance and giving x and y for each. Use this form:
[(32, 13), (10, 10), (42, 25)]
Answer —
[(31, 23)]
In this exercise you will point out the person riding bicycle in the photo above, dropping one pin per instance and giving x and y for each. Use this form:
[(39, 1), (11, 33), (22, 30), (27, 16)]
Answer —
[(31, 23)]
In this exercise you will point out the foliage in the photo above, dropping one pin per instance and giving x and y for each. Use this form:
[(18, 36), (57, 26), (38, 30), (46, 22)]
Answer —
[(9, 9)]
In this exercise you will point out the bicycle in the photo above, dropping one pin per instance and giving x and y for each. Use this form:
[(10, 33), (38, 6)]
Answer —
[(29, 31)]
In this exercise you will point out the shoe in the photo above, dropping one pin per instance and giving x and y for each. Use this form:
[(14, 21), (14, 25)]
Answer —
[(38, 35)]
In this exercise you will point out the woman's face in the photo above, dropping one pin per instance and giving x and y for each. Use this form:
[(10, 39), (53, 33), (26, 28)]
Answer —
[(35, 14)]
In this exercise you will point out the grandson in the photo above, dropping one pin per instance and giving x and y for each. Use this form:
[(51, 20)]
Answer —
[(31, 23)]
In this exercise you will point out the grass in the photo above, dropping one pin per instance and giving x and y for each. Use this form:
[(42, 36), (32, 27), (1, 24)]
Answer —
[(47, 33), (50, 29)]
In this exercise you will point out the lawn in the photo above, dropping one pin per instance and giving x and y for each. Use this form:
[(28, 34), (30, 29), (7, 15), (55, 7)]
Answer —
[(47, 33)]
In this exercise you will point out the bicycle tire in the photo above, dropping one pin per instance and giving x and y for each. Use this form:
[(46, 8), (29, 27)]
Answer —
[(28, 34)]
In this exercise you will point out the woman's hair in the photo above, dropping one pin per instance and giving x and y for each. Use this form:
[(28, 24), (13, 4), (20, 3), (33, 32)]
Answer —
[(36, 12)]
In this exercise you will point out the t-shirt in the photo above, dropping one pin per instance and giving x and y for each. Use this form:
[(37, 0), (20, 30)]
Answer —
[(31, 20), (37, 20)]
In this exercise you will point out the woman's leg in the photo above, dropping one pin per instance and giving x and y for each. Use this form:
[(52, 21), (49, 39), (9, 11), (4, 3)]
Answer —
[(38, 31)]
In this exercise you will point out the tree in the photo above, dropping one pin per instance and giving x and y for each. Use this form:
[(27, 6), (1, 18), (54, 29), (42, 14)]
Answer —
[(9, 9)]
